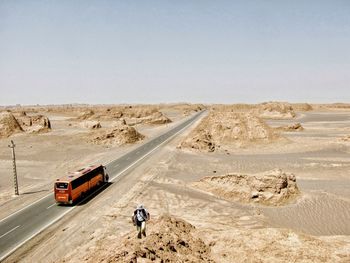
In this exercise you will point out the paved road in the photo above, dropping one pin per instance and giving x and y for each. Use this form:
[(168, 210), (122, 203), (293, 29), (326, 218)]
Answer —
[(24, 224)]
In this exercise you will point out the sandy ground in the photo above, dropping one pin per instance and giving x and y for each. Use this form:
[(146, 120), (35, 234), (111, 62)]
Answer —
[(41, 158), (314, 228)]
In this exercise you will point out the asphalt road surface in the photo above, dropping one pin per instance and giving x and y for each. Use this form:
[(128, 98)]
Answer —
[(26, 223)]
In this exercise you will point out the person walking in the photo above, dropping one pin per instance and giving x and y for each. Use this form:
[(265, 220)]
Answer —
[(139, 219)]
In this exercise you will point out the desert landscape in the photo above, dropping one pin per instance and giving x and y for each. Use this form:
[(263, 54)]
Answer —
[(51, 141), (262, 182), (175, 131)]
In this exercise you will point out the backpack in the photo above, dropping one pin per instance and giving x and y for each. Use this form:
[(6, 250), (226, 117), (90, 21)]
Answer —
[(141, 215)]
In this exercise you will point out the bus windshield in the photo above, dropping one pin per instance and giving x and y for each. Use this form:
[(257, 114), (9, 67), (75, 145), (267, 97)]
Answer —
[(62, 185)]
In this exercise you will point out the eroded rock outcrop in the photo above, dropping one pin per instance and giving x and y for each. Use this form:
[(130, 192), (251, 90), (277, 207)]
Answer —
[(91, 125), (275, 110), (225, 129), (302, 107), (169, 239), (157, 118), (273, 187), (37, 124), (291, 127), (133, 115), (86, 115), (345, 138), (154, 117), (22, 122), (33, 123), (123, 134), (8, 124)]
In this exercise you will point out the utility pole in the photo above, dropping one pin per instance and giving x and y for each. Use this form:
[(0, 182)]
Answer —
[(15, 181)]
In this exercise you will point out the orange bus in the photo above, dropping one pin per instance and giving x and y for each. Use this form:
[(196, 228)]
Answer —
[(71, 187)]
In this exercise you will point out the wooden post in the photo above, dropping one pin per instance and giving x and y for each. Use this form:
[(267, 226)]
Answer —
[(15, 181)]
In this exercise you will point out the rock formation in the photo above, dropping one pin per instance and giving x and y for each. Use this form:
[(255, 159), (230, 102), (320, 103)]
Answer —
[(119, 135), (34, 124), (157, 118), (302, 107), (169, 239), (8, 124), (86, 115), (345, 138), (91, 125), (273, 187), (291, 127), (225, 128), (275, 110)]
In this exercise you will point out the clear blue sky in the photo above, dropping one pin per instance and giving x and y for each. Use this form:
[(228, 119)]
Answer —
[(171, 51)]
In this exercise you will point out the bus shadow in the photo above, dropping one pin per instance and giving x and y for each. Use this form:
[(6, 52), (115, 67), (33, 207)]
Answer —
[(35, 192), (93, 194)]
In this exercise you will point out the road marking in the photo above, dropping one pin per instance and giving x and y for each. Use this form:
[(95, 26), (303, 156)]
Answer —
[(137, 152), (8, 232), (144, 156), (115, 166), (14, 213), (70, 209), (34, 234), (152, 141), (128, 158), (26, 207), (50, 206)]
